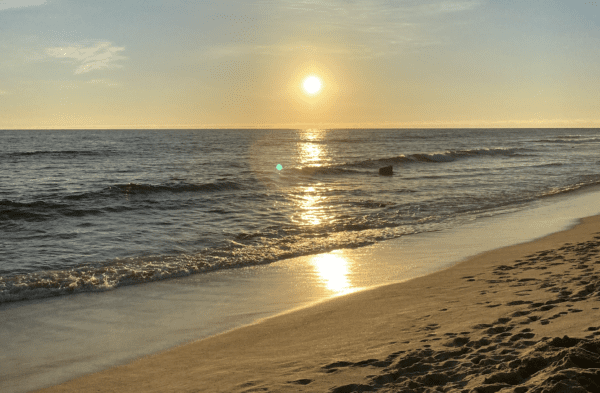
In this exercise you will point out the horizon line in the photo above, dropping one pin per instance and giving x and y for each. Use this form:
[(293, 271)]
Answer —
[(289, 128)]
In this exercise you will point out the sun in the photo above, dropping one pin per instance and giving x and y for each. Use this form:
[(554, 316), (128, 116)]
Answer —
[(312, 85)]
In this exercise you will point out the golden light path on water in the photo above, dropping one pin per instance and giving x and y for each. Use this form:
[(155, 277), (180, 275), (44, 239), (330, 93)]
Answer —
[(332, 269), (310, 213), (311, 201), (310, 154)]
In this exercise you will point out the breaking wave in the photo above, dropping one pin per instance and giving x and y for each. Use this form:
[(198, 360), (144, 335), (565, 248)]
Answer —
[(127, 271), (585, 181)]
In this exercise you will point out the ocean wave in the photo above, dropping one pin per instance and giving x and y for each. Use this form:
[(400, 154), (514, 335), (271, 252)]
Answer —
[(59, 153), (29, 211), (437, 157), (128, 271), (440, 157), (41, 211), (5, 203), (136, 188), (573, 139), (141, 188), (71, 205), (585, 181)]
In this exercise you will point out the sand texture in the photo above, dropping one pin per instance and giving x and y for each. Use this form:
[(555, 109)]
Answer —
[(524, 318)]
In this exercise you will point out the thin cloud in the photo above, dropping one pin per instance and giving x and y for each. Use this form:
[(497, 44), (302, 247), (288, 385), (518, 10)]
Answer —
[(7, 4), (385, 27), (98, 56), (106, 82)]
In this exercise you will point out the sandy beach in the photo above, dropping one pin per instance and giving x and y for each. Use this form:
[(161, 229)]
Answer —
[(523, 318)]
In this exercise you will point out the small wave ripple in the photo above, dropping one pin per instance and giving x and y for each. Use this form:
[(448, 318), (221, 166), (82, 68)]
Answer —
[(59, 153), (135, 188), (571, 139)]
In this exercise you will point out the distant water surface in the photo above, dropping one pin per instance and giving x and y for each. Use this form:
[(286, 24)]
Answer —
[(88, 210)]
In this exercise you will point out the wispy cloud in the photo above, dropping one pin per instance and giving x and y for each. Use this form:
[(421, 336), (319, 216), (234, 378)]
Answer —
[(106, 82), (6, 4), (97, 56), (355, 29), (382, 26)]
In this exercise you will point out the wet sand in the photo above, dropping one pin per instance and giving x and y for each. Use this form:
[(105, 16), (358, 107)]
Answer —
[(520, 318)]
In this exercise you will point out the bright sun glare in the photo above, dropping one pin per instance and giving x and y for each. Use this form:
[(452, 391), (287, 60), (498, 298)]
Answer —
[(312, 84)]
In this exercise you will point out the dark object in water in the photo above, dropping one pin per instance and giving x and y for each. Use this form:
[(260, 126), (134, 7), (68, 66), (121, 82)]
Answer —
[(386, 171)]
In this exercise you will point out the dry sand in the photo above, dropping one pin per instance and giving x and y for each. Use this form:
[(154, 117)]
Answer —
[(497, 322)]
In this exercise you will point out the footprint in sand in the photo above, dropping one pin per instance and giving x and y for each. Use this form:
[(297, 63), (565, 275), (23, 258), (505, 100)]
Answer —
[(301, 381)]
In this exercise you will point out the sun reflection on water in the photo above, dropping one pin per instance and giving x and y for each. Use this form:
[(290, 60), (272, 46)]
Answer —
[(311, 200), (310, 154), (311, 149), (333, 270), (310, 213)]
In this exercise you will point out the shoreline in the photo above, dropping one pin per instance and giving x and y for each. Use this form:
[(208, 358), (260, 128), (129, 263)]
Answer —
[(453, 328)]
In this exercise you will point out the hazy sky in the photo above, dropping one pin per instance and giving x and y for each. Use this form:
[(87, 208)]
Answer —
[(383, 63)]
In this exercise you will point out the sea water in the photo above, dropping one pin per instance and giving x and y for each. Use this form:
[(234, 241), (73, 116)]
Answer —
[(92, 210)]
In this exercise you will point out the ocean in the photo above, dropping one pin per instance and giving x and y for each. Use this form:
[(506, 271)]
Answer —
[(92, 210)]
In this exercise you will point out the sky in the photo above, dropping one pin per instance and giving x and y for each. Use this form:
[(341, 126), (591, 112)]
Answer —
[(241, 64)]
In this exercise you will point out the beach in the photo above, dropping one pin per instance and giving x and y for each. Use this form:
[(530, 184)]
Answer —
[(316, 196), (519, 318)]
